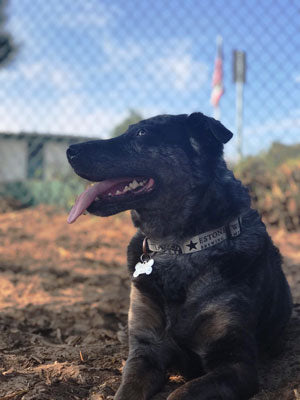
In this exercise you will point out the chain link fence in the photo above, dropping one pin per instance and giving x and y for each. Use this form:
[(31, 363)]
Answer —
[(86, 68)]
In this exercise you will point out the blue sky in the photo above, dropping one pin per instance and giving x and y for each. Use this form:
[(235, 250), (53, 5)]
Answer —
[(83, 64)]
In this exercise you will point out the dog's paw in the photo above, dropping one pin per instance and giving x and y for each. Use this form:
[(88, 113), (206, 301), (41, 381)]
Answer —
[(129, 392)]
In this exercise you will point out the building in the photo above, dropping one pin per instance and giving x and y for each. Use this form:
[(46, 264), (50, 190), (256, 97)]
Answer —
[(31, 155)]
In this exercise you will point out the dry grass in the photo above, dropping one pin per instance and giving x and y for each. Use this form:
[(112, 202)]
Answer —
[(64, 299)]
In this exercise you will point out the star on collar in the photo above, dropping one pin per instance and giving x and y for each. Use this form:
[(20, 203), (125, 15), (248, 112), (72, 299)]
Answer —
[(192, 245)]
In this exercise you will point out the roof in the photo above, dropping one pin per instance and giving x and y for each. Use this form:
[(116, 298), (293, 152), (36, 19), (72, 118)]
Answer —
[(46, 137)]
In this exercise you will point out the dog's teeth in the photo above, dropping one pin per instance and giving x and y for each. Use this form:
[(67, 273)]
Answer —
[(118, 192), (133, 185), (109, 194), (126, 188)]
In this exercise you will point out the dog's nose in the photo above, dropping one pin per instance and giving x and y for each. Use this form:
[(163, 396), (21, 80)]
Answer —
[(73, 151)]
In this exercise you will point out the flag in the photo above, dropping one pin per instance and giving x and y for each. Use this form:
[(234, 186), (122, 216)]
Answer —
[(217, 81)]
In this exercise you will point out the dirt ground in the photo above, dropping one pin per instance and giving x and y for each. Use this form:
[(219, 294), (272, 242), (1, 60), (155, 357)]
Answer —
[(63, 309)]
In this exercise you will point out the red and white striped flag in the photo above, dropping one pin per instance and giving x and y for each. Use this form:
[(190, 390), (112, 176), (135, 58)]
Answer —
[(217, 81)]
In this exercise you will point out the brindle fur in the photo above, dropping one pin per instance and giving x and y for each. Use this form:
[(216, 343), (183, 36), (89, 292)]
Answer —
[(206, 313)]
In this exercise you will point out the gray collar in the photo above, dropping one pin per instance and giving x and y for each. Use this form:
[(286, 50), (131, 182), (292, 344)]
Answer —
[(199, 242)]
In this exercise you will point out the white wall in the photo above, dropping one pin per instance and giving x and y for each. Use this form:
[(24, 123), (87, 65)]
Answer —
[(13, 160), (55, 160)]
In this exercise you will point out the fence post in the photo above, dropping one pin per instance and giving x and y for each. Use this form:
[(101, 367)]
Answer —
[(239, 77)]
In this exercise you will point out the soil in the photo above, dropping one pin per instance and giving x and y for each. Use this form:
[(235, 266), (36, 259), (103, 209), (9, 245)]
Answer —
[(64, 300)]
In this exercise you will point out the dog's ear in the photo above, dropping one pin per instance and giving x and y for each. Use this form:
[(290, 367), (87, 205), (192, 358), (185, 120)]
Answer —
[(201, 125)]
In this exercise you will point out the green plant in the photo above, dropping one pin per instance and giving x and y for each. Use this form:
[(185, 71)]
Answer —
[(33, 192), (273, 179)]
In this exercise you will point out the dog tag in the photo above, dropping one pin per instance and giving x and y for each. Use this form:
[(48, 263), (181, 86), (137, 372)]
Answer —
[(144, 267)]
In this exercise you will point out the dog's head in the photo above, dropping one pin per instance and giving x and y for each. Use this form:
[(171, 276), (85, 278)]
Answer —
[(153, 164)]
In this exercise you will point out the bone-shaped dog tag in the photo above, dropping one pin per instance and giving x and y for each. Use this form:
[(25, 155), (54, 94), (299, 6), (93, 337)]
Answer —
[(144, 267)]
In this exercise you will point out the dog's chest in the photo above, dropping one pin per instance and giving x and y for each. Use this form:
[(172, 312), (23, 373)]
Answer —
[(169, 279)]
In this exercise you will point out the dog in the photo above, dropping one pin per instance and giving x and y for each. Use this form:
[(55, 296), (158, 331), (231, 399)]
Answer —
[(208, 291)]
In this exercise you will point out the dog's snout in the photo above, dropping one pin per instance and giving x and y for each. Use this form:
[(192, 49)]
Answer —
[(73, 151)]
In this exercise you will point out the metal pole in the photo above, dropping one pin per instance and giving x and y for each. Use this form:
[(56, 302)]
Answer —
[(239, 117), (217, 113)]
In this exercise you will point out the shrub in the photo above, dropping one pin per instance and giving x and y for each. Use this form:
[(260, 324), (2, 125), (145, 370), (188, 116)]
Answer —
[(33, 192), (273, 179)]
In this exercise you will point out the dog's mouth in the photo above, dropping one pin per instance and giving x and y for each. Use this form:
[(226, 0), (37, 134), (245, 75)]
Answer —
[(111, 190)]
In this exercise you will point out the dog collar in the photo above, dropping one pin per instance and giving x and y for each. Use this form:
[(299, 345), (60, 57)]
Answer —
[(198, 242)]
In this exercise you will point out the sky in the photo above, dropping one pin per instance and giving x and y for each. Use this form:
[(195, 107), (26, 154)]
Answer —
[(83, 64)]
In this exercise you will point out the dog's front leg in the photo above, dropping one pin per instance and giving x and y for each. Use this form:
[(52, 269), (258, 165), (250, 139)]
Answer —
[(230, 364), (141, 379), (145, 369)]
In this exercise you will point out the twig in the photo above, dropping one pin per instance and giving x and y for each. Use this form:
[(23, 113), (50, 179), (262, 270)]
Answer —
[(13, 395), (81, 357)]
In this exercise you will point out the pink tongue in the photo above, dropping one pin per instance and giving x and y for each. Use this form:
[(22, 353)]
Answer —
[(87, 197)]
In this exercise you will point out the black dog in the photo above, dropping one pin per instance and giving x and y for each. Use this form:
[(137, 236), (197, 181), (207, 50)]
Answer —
[(207, 285)]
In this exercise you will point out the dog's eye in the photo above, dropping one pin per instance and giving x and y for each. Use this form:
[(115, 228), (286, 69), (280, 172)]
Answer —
[(141, 132)]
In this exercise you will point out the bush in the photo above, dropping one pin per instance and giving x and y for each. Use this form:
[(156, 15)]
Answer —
[(33, 192), (273, 179)]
